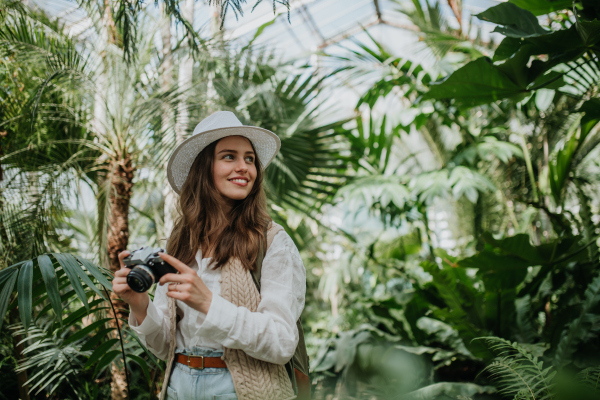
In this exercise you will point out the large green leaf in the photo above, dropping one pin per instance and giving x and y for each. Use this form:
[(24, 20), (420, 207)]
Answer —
[(518, 245), (6, 273), (49, 275), (478, 82), (589, 31), (24, 292), (560, 165), (70, 266), (85, 331), (106, 359), (100, 352), (76, 316), (591, 118), (557, 42), (515, 21), (95, 271), (498, 272), (507, 48), (542, 7), (142, 363), (503, 264), (516, 66), (5, 294), (97, 338)]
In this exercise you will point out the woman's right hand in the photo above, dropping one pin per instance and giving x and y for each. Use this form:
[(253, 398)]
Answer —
[(137, 301)]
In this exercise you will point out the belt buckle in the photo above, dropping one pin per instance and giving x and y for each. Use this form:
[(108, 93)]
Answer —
[(190, 357)]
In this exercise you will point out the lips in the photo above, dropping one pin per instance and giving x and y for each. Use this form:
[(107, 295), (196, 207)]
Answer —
[(239, 181)]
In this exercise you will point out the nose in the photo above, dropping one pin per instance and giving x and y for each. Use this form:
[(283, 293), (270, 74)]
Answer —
[(241, 166)]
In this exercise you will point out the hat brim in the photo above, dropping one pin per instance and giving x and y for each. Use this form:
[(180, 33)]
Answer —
[(265, 142)]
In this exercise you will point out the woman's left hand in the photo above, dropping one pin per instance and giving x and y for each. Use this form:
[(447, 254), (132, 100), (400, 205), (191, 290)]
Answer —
[(187, 287)]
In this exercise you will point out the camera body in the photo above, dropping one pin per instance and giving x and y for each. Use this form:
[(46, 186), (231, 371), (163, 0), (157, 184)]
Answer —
[(146, 268)]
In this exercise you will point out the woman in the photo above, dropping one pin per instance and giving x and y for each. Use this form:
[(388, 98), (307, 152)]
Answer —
[(245, 336)]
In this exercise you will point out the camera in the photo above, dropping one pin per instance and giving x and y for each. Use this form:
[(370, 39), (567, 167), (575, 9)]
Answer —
[(146, 268)]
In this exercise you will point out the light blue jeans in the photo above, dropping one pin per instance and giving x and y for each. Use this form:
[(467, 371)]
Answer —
[(200, 384)]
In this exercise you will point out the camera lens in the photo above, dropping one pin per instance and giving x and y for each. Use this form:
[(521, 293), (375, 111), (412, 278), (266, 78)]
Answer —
[(140, 279)]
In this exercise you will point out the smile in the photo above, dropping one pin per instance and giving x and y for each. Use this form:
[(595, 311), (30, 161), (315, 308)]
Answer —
[(239, 182)]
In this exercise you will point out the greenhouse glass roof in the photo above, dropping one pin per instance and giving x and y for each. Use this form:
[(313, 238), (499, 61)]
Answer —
[(314, 27), (313, 24)]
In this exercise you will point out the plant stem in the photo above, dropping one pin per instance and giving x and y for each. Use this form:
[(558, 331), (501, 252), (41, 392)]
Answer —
[(120, 338)]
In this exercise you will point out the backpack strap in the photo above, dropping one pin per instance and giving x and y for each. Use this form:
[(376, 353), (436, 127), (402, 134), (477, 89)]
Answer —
[(299, 361), (269, 235)]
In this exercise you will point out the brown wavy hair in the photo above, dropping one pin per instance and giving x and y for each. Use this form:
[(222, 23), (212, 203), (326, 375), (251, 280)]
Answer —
[(203, 224)]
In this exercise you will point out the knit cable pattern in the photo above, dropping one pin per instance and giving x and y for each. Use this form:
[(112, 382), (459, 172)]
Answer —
[(253, 379)]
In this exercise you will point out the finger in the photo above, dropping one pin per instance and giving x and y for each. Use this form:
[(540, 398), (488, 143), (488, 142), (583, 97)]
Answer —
[(121, 289), (179, 287), (119, 281), (177, 295), (123, 272), (173, 278), (178, 265), (122, 255)]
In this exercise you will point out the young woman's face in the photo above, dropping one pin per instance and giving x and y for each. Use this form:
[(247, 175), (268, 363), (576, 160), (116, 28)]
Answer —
[(234, 171)]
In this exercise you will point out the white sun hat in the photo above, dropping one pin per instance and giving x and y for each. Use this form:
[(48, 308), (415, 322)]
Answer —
[(215, 127)]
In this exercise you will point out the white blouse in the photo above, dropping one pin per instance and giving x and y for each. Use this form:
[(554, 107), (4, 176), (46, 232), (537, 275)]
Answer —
[(269, 334)]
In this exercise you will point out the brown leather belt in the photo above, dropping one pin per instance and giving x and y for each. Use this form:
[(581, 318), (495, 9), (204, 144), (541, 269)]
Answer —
[(200, 362)]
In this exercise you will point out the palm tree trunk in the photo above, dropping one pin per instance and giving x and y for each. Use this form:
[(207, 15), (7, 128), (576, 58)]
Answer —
[(121, 175), (122, 171)]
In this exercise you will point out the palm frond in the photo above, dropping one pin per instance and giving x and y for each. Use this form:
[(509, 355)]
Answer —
[(48, 363)]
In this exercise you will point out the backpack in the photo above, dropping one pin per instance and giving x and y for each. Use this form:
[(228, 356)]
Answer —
[(297, 367)]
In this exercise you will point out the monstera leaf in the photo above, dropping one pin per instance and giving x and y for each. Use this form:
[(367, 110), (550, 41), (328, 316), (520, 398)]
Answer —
[(542, 7), (503, 263), (515, 74), (478, 82), (515, 22)]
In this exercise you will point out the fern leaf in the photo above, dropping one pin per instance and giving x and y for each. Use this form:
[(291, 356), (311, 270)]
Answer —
[(517, 372), (580, 328), (591, 377)]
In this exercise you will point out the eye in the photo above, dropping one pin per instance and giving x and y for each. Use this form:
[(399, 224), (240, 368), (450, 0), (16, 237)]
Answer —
[(250, 159), (228, 155)]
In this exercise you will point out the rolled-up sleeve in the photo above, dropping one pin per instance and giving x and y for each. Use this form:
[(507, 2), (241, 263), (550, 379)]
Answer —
[(154, 331), (269, 334)]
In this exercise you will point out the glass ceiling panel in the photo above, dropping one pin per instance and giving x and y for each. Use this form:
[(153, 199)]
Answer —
[(315, 25)]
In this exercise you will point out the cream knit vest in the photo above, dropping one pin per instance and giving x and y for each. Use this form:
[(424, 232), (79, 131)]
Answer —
[(253, 379)]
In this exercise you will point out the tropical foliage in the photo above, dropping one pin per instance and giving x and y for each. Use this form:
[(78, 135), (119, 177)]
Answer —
[(449, 226)]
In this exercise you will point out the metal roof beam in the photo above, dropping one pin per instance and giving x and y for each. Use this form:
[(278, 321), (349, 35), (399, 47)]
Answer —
[(359, 28), (310, 21), (377, 9)]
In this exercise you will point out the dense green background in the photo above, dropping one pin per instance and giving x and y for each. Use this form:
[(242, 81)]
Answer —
[(449, 228)]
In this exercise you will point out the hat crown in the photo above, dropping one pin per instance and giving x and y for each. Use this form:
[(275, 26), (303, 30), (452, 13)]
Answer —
[(218, 120), (212, 128)]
